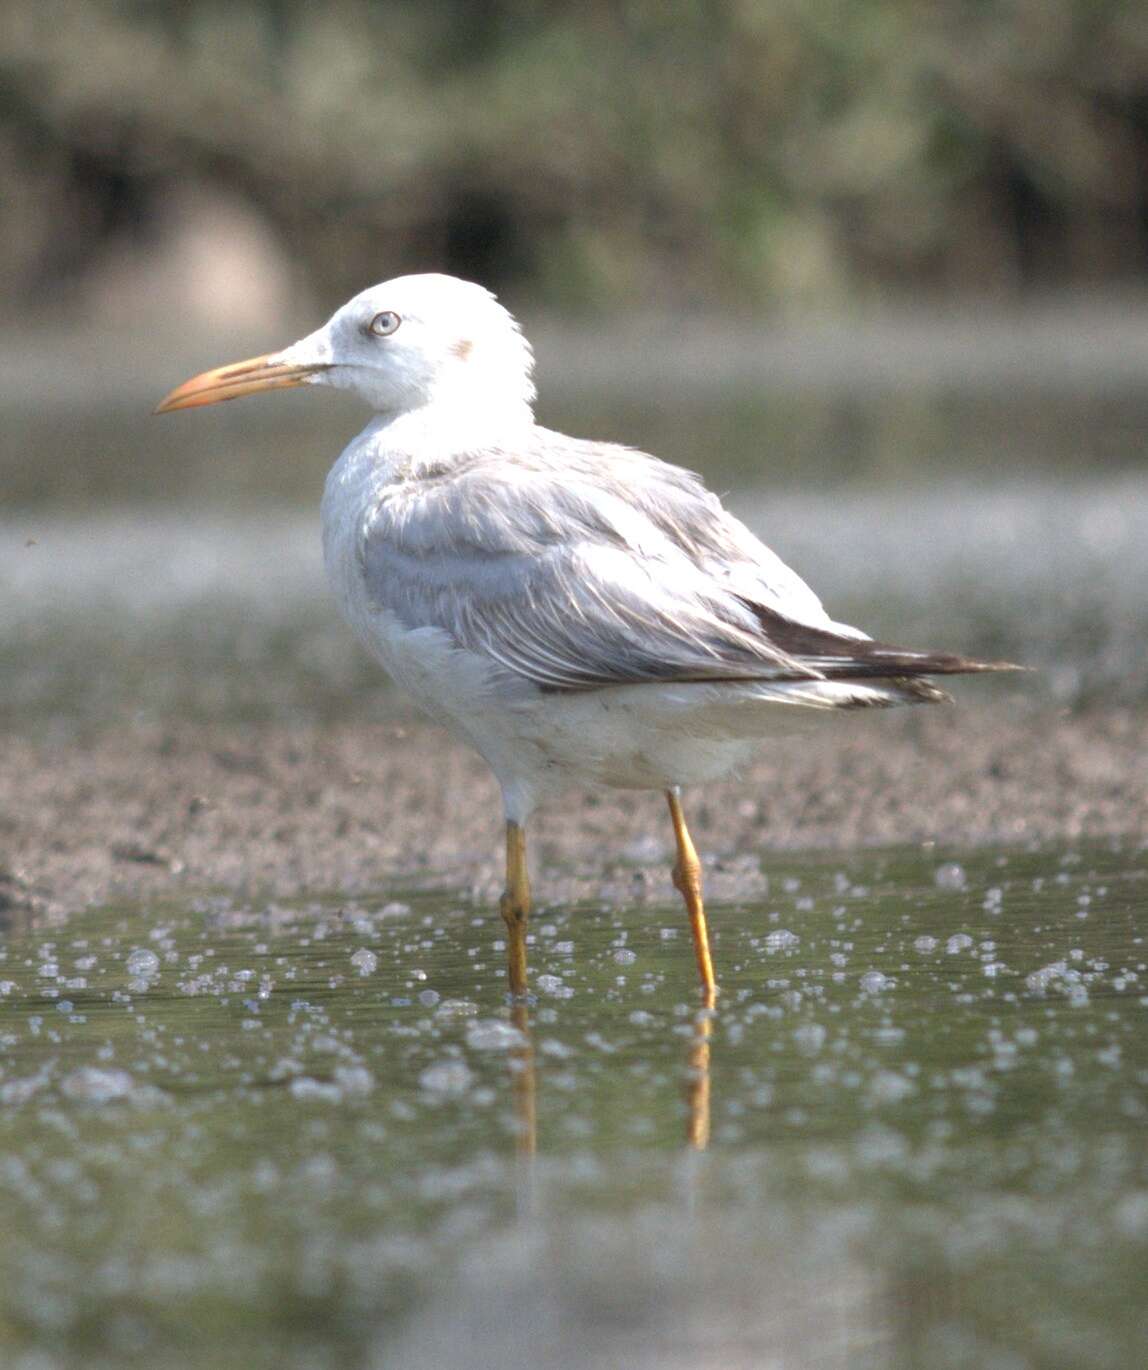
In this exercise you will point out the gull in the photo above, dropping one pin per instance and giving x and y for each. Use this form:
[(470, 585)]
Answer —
[(577, 611)]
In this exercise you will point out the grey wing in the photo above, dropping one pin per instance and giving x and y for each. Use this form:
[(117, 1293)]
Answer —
[(587, 566), (560, 583)]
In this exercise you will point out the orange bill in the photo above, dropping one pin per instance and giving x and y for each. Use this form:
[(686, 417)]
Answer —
[(240, 378)]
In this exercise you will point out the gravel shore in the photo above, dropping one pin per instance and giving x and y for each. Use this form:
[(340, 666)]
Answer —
[(282, 811)]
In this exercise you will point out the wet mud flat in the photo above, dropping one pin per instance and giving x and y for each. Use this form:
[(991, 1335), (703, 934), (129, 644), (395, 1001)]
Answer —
[(277, 809)]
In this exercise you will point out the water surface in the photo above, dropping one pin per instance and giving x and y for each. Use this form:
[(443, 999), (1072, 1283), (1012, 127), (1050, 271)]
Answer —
[(293, 1134)]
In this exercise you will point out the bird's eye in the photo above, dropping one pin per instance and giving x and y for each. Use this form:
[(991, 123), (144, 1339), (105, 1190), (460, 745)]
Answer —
[(384, 324)]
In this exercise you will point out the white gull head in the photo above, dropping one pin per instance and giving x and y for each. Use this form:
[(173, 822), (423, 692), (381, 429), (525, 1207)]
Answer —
[(420, 342)]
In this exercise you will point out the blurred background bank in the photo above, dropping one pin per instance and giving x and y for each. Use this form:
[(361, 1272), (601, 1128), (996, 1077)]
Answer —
[(238, 161)]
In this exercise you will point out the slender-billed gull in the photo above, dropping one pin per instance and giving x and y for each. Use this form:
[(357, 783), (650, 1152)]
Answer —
[(577, 611)]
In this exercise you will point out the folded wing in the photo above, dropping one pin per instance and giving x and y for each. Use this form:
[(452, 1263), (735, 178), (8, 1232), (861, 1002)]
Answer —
[(576, 566)]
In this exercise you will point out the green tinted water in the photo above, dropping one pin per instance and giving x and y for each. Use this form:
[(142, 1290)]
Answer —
[(291, 1135)]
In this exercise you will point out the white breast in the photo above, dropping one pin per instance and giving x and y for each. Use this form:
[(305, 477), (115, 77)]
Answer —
[(454, 686), (354, 485)]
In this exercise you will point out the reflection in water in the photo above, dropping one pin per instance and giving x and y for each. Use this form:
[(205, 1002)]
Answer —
[(698, 1079), (522, 1081)]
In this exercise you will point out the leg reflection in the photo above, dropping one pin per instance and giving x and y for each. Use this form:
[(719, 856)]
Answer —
[(698, 1078), (515, 906), (521, 1061)]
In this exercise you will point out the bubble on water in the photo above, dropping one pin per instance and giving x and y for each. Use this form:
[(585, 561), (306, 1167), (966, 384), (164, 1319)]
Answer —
[(491, 1034), (354, 1079), (625, 957), (457, 1008), (781, 940), (950, 876), (925, 944), (810, 1037), (960, 941), (428, 997), (321, 1091), (143, 964), (879, 1146), (97, 1084), (21, 1090), (346, 1081), (1047, 976), (887, 1087), (875, 982), (446, 1077), (554, 987), (365, 961), (1131, 1214)]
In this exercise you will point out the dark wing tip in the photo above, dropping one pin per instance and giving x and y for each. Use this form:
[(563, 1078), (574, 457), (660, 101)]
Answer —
[(836, 656), (934, 663)]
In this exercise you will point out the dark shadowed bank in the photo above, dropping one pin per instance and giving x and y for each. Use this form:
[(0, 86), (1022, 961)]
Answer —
[(152, 811)]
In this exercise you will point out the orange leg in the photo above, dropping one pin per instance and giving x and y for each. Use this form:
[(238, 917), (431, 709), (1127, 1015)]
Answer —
[(688, 879), (515, 906)]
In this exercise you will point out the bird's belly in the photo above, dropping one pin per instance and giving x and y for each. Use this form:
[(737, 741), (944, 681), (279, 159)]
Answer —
[(452, 686), (630, 737), (627, 738)]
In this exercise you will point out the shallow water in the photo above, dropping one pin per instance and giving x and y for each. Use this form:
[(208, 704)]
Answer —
[(295, 1135)]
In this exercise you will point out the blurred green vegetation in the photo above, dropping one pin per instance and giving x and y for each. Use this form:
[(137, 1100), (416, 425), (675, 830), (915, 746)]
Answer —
[(741, 152)]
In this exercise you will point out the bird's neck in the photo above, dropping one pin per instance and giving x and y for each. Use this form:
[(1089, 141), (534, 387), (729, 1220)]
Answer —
[(449, 427)]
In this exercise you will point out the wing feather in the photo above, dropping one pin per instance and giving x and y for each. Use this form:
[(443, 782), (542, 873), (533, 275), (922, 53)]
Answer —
[(575, 566)]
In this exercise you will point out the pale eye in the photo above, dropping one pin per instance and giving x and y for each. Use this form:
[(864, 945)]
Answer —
[(384, 324)]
